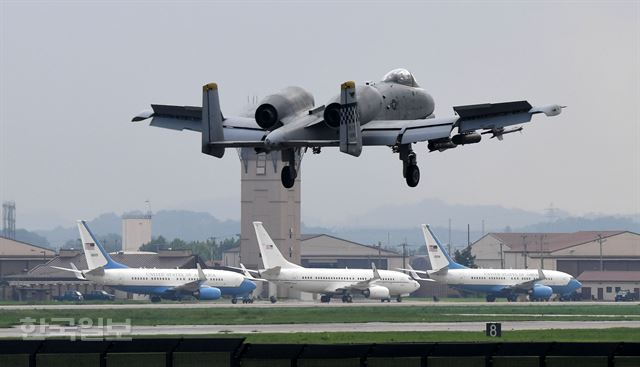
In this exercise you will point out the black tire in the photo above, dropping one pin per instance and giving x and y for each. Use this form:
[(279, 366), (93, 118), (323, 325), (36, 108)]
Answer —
[(491, 298), (273, 299), (155, 299), (349, 299), (399, 299), (288, 176), (412, 175), (234, 300)]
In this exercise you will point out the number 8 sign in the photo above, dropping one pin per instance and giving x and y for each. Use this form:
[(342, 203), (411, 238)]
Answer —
[(494, 329)]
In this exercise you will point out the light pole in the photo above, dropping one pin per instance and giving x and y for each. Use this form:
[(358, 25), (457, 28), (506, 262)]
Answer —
[(600, 241), (524, 244)]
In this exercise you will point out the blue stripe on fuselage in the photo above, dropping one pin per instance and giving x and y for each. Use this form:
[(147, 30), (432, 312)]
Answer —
[(245, 288)]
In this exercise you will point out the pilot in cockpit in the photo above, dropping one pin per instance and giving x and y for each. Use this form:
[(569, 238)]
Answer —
[(400, 76)]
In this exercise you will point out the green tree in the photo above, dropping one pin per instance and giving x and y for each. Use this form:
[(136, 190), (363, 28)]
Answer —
[(465, 257)]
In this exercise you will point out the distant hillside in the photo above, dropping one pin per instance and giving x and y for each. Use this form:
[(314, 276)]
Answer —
[(390, 225), (183, 224)]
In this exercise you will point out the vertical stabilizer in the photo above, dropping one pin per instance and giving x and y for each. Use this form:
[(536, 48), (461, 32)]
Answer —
[(350, 134), (93, 251), (438, 256), (212, 130), (271, 256)]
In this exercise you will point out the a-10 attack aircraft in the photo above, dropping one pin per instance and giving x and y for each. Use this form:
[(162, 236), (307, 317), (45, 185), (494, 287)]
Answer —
[(372, 283), (394, 112), (173, 284), (538, 284)]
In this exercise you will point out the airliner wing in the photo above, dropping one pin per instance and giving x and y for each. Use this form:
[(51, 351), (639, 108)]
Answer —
[(191, 286), (528, 285)]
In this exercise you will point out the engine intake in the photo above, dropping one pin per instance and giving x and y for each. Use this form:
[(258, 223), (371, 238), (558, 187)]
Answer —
[(277, 107), (376, 292), (369, 106)]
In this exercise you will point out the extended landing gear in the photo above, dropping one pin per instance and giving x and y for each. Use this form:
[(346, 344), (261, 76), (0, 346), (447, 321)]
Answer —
[(347, 298), (410, 169), (325, 299), (234, 300), (385, 300), (289, 173), (491, 298), (288, 176), (273, 299), (512, 298), (399, 299), (156, 299), (247, 300)]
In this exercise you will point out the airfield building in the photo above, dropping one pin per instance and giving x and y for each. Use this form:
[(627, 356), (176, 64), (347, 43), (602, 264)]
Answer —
[(573, 253), (136, 231)]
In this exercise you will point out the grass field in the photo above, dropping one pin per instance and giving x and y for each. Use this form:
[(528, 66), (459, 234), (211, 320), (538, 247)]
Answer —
[(247, 315), (589, 335)]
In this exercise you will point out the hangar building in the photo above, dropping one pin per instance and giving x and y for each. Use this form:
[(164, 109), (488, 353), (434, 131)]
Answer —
[(573, 253)]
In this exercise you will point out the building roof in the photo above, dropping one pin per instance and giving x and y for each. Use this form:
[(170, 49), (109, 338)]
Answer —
[(609, 276), (13, 248), (133, 260), (550, 241), (305, 237)]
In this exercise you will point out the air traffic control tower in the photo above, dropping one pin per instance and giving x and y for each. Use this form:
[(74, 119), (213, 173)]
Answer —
[(264, 199)]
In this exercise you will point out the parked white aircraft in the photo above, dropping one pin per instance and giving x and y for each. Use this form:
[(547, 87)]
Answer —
[(205, 284), (537, 283), (372, 283)]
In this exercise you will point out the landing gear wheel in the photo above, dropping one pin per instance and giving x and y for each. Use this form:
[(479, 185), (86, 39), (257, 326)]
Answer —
[(512, 298), (399, 299), (349, 299), (234, 300), (491, 298), (288, 176), (325, 299), (413, 175), (273, 299), (155, 299)]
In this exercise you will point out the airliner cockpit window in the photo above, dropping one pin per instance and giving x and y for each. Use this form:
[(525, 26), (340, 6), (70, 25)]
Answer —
[(400, 76)]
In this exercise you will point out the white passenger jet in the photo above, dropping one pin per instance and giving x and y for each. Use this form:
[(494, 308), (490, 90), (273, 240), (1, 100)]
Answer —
[(537, 283), (372, 283), (173, 284)]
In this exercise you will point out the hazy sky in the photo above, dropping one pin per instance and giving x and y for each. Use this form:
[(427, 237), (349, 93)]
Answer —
[(74, 73)]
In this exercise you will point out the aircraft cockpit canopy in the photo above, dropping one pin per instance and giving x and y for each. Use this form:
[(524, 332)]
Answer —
[(400, 76)]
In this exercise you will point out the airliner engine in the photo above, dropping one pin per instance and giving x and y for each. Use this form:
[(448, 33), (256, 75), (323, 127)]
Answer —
[(376, 292), (207, 293), (541, 292)]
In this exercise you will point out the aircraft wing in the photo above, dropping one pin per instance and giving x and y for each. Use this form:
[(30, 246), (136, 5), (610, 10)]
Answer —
[(489, 118), (364, 284), (191, 286), (528, 285)]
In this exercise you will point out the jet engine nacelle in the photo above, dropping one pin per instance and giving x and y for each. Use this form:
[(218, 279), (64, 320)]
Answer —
[(276, 107), (208, 293), (376, 292), (541, 292), (369, 106)]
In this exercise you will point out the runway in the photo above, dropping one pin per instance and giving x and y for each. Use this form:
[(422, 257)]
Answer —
[(294, 304), (59, 331)]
